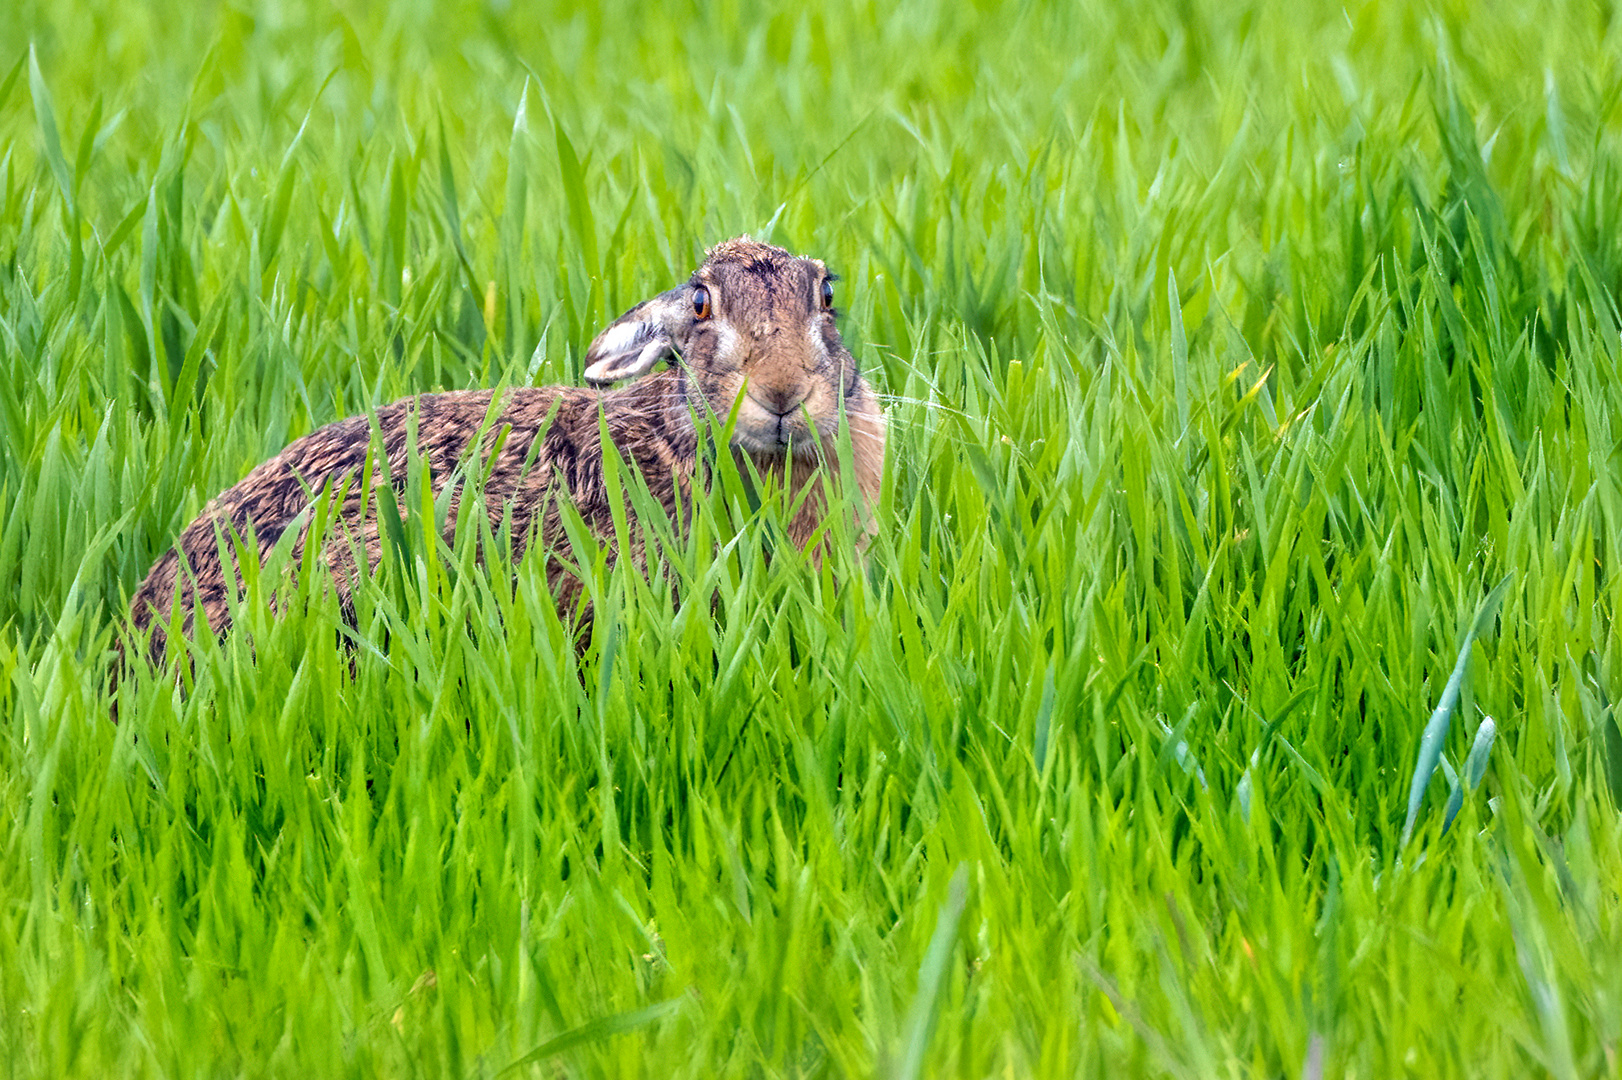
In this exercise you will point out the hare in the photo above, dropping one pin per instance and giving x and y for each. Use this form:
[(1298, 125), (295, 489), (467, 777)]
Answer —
[(753, 330)]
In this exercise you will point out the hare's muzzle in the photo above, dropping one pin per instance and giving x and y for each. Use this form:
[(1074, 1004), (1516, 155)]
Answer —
[(772, 415)]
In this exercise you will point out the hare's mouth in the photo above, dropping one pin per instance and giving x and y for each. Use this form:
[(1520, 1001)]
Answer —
[(763, 429)]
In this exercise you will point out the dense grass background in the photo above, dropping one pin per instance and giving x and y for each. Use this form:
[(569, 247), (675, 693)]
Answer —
[(1238, 351)]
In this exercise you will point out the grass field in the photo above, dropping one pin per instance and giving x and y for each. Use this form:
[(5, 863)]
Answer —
[(1255, 390)]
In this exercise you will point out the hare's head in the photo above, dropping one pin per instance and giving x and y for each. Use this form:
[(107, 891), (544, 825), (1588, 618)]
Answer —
[(753, 327)]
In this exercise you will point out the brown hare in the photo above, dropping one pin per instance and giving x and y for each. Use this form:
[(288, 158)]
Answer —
[(752, 330)]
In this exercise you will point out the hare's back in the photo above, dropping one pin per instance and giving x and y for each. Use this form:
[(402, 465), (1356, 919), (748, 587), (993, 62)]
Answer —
[(433, 429), (273, 497)]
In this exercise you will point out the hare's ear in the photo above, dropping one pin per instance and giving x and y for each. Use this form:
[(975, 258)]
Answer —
[(635, 341)]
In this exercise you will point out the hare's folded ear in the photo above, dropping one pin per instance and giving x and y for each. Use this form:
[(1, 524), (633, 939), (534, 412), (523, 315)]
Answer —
[(634, 342)]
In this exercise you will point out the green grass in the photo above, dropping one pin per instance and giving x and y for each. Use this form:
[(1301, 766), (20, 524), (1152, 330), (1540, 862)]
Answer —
[(1238, 351)]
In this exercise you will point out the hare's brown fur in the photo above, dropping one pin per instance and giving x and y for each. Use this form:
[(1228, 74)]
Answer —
[(766, 345)]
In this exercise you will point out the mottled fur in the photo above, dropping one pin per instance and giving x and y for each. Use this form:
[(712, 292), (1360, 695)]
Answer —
[(767, 344)]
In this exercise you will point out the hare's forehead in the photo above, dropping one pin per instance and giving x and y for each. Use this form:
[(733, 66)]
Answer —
[(765, 280)]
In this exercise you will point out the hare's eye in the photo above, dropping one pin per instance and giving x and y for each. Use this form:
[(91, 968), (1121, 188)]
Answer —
[(827, 294), (701, 302)]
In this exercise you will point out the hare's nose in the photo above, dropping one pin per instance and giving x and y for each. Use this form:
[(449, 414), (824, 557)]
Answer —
[(778, 400)]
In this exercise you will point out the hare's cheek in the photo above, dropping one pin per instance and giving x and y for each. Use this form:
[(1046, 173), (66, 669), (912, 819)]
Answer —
[(829, 349), (721, 389), (849, 378), (728, 344), (821, 402), (817, 340)]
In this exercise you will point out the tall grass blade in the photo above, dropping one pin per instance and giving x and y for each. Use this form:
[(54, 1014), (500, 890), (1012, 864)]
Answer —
[(1610, 734), (926, 1001), (595, 1031), (45, 115), (9, 83), (1179, 353), (1435, 734), (1475, 767), (580, 219)]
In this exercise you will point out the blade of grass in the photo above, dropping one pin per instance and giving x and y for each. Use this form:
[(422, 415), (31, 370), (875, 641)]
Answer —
[(596, 1031), (1435, 733), (926, 1001), (45, 115), (1475, 767)]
